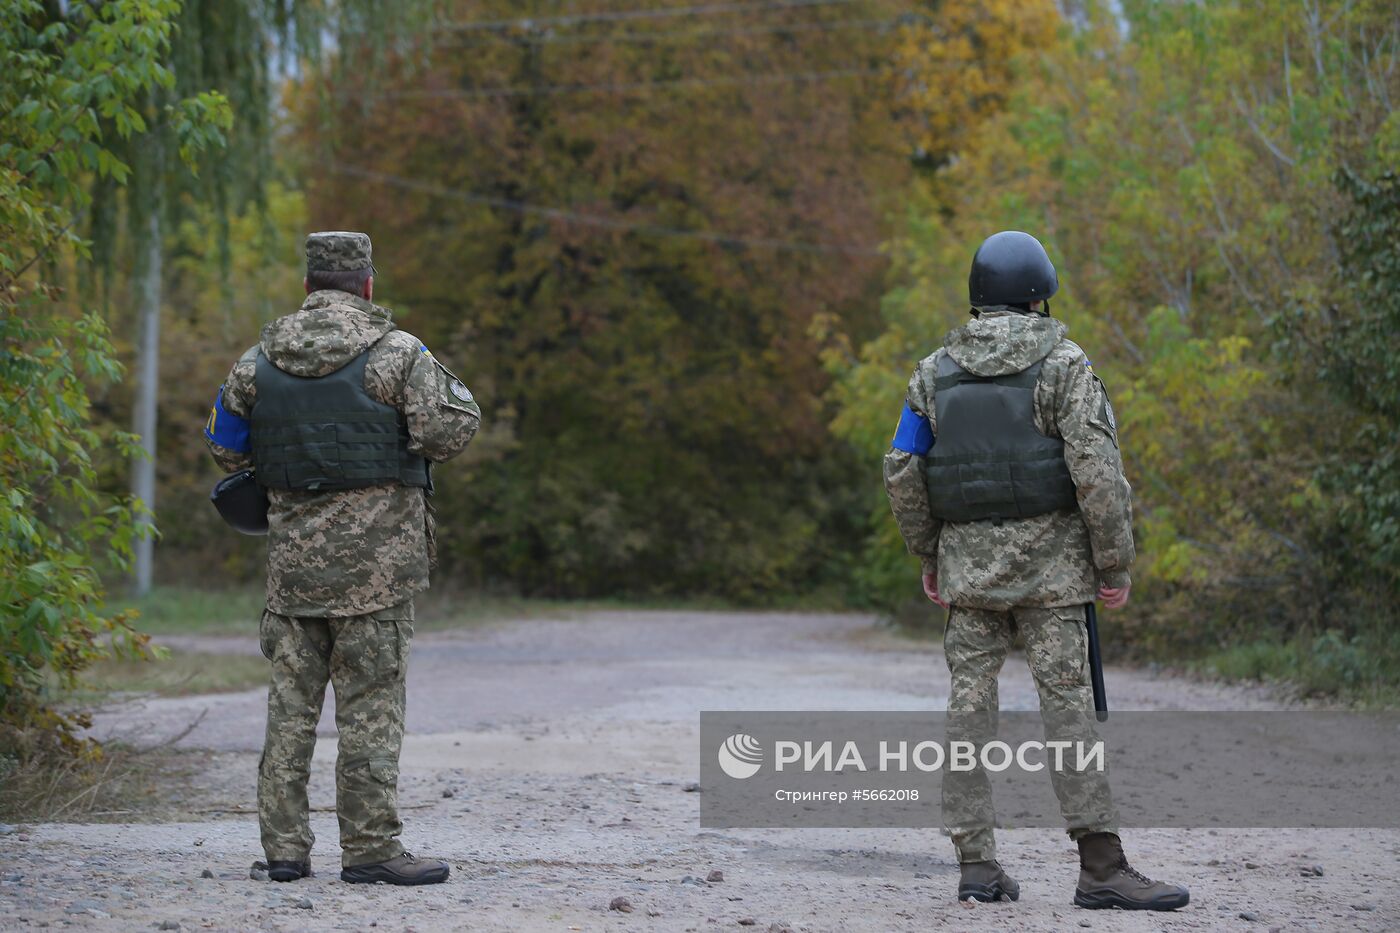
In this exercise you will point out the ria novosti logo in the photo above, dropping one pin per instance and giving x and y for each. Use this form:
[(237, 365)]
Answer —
[(740, 756)]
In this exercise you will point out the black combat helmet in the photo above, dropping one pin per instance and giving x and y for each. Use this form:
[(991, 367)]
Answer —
[(242, 502), (1011, 268)]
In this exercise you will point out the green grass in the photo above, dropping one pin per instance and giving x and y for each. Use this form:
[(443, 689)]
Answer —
[(177, 610), (179, 674), (1362, 671), (170, 610)]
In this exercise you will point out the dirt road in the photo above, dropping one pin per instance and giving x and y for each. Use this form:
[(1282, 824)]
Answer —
[(549, 760)]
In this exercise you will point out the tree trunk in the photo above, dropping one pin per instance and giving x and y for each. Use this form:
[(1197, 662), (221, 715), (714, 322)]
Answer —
[(143, 471)]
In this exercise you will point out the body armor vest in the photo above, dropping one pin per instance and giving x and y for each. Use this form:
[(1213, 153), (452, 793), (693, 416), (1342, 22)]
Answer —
[(989, 461), (325, 432)]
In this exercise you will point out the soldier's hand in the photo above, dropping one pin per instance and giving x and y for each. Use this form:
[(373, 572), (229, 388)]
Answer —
[(1114, 597), (931, 589)]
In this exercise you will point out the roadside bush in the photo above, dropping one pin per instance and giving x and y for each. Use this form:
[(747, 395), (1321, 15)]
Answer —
[(73, 84)]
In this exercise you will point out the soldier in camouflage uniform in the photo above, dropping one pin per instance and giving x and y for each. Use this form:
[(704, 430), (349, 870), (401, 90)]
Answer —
[(341, 415), (1006, 482)]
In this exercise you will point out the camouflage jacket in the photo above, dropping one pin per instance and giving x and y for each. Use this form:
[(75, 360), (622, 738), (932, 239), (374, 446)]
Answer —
[(352, 552), (1056, 559)]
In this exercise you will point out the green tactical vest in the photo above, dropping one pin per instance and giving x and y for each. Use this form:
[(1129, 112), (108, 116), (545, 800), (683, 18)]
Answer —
[(988, 460), (325, 432)]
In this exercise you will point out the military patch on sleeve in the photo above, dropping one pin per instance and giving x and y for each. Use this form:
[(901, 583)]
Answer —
[(459, 389), (1105, 416)]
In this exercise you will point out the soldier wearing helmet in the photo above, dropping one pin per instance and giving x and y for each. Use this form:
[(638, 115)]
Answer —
[(1006, 482)]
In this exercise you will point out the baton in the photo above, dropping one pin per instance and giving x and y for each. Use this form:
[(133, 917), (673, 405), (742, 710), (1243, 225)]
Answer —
[(1095, 663)]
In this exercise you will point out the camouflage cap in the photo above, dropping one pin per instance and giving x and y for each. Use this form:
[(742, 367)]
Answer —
[(338, 251)]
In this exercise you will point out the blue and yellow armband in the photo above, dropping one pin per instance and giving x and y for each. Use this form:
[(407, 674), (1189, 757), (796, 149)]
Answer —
[(226, 429), (913, 436)]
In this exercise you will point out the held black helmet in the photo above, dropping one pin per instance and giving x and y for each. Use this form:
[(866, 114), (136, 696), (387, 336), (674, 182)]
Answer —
[(242, 502), (1011, 268)]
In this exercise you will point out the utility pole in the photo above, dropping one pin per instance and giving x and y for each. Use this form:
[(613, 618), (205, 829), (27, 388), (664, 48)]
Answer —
[(143, 421)]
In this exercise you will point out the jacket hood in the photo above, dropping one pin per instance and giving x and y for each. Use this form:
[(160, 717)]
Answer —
[(330, 330), (1001, 341)]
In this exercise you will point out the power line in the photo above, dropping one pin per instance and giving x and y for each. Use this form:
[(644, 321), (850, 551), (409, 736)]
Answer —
[(532, 90), (597, 220), (661, 36), (615, 16)]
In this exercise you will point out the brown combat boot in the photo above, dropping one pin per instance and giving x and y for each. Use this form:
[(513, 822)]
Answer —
[(403, 868), (986, 882), (1106, 880)]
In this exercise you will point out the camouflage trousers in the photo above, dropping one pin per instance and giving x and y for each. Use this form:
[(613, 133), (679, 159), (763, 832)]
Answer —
[(976, 644), (364, 658)]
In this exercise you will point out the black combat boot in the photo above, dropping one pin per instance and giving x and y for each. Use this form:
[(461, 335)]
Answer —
[(1105, 880), (985, 881), (280, 870), (401, 869)]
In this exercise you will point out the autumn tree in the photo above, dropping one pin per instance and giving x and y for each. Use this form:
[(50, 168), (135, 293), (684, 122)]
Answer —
[(628, 237), (957, 64)]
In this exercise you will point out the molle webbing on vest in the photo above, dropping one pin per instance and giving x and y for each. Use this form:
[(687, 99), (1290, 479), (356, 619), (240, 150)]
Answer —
[(325, 432), (989, 461)]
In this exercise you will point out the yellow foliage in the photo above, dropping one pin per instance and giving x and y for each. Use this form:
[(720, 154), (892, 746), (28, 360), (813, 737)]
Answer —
[(957, 64)]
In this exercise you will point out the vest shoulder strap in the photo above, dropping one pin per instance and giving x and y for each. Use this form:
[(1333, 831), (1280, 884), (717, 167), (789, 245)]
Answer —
[(949, 374)]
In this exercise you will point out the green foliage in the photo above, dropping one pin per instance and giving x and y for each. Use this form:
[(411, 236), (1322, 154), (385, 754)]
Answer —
[(917, 311), (52, 517), (69, 84), (1360, 668), (1348, 345), (65, 81)]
